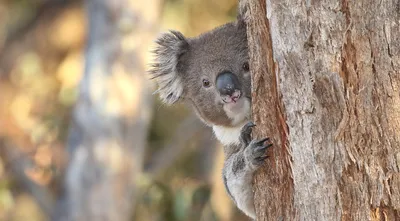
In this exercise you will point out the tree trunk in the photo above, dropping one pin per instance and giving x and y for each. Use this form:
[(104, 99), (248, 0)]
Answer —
[(326, 88), (111, 117)]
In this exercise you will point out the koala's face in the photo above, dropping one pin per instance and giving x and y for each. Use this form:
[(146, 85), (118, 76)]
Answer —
[(210, 71)]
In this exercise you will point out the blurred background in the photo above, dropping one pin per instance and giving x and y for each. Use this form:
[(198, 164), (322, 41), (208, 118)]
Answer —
[(44, 56)]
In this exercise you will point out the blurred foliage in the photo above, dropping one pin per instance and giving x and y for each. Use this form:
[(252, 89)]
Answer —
[(42, 46)]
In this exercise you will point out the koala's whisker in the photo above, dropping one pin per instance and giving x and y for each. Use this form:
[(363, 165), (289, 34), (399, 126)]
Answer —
[(160, 106)]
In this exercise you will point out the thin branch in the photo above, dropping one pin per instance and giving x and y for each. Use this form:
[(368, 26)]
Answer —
[(176, 146), (19, 163)]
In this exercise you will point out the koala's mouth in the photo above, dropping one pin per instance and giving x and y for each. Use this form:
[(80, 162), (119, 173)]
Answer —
[(237, 108), (232, 98), (233, 104)]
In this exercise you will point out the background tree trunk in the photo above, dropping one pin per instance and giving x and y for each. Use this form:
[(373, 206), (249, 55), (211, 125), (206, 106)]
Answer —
[(326, 88), (112, 115)]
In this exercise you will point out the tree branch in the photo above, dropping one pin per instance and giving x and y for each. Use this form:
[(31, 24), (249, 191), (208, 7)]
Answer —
[(19, 163), (167, 155)]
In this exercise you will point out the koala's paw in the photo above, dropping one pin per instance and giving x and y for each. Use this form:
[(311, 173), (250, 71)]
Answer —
[(245, 133), (255, 150)]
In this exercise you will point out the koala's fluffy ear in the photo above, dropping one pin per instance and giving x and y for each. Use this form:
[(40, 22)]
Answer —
[(243, 12), (170, 47)]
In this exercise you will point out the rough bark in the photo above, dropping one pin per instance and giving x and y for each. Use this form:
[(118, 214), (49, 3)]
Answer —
[(111, 116), (326, 88)]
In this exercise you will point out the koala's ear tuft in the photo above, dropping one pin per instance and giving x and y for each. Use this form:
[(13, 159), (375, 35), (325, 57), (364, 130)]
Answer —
[(170, 47), (243, 12)]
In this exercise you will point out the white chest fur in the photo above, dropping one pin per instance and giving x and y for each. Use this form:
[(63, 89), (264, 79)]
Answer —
[(228, 135)]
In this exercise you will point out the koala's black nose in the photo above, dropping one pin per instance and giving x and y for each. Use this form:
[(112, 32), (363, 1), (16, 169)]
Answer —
[(227, 83)]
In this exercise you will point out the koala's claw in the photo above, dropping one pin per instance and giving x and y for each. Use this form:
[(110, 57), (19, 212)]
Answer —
[(256, 151), (261, 142), (245, 134), (259, 160)]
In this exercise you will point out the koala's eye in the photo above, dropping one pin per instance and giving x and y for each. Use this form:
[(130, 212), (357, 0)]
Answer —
[(206, 83), (246, 66)]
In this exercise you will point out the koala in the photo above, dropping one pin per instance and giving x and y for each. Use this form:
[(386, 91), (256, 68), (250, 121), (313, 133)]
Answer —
[(211, 73)]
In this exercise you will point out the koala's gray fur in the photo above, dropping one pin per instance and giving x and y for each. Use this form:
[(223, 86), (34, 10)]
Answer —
[(182, 65)]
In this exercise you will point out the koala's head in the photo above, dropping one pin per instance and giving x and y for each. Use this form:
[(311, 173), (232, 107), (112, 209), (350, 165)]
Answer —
[(210, 71)]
